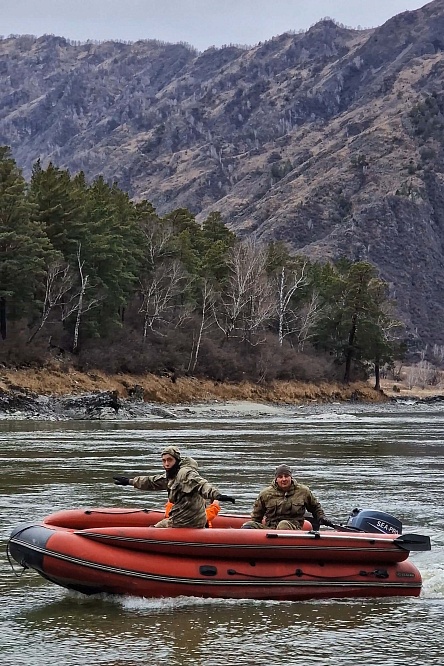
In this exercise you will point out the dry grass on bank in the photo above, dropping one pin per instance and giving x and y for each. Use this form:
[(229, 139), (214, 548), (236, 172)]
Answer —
[(403, 390), (65, 381)]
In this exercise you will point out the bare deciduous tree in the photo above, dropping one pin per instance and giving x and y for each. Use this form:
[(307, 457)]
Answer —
[(208, 299), (288, 282), (158, 236), (160, 292), (438, 352), (79, 304), (72, 298), (59, 281), (308, 318), (422, 374), (390, 330), (247, 301)]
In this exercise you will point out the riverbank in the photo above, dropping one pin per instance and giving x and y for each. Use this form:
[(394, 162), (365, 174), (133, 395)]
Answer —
[(60, 393), (59, 381)]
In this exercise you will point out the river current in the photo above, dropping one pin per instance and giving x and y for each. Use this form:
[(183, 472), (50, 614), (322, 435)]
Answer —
[(389, 458)]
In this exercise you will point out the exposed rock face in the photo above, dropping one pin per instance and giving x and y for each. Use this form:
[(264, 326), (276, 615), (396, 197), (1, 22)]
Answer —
[(313, 138)]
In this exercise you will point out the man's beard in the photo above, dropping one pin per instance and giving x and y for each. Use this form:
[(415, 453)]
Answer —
[(172, 472)]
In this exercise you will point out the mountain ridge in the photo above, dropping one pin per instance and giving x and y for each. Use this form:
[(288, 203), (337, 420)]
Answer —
[(313, 138)]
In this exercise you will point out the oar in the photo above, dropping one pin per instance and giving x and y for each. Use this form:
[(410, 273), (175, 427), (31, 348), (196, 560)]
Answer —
[(413, 542), (404, 541)]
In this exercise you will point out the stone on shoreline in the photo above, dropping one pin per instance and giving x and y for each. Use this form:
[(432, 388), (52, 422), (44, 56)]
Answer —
[(101, 405)]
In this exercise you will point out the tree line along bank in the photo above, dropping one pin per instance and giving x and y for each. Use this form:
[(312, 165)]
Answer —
[(90, 275)]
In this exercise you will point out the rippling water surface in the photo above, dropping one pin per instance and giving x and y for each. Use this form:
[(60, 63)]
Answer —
[(390, 459)]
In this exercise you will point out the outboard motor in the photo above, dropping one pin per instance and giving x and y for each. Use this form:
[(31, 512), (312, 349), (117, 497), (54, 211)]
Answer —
[(367, 520)]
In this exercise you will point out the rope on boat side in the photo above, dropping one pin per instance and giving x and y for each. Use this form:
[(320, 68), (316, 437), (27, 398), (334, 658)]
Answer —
[(11, 564), (89, 512), (378, 573)]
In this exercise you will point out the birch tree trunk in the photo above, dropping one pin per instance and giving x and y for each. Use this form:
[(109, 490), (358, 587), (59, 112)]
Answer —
[(207, 298), (59, 281), (84, 282)]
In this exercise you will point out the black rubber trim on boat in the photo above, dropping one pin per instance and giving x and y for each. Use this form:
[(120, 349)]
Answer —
[(27, 545)]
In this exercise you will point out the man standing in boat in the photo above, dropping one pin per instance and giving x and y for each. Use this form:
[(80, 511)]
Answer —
[(211, 510), (282, 505), (187, 490)]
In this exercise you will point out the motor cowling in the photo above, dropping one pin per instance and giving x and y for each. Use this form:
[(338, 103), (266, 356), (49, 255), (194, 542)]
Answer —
[(367, 520)]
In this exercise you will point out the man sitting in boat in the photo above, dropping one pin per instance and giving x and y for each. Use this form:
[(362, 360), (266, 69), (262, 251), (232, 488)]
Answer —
[(282, 505), (187, 490)]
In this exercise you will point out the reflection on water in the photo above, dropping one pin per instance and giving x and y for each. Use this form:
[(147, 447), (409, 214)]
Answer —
[(384, 459)]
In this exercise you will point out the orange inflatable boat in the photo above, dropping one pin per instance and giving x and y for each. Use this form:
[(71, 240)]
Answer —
[(118, 551)]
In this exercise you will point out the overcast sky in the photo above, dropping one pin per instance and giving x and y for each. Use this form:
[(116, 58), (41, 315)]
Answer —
[(201, 23)]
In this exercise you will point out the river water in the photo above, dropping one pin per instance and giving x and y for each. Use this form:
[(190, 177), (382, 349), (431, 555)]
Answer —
[(385, 458)]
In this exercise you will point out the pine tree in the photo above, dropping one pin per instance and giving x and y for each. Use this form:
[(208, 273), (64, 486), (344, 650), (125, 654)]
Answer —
[(58, 200), (24, 247), (352, 324), (111, 250), (216, 241)]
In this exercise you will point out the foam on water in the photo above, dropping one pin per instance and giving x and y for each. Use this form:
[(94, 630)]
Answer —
[(331, 416)]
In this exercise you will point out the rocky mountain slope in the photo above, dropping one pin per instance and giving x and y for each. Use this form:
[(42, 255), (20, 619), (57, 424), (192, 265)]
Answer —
[(331, 140)]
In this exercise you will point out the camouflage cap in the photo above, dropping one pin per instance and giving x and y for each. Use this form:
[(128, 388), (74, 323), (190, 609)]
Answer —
[(171, 451)]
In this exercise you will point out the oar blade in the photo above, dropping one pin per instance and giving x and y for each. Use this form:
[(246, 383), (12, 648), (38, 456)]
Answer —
[(413, 542)]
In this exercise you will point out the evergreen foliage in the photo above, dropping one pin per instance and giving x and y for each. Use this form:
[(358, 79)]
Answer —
[(353, 325), (25, 248), (126, 290), (427, 118)]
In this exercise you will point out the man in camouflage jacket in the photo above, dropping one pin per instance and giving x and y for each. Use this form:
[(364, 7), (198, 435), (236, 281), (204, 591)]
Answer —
[(187, 490), (282, 505)]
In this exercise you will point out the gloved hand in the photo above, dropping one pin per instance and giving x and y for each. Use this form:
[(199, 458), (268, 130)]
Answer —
[(226, 498), (326, 522), (121, 480)]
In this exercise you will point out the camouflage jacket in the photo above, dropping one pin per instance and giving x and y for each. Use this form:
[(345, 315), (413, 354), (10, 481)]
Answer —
[(187, 491), (275, 505)]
